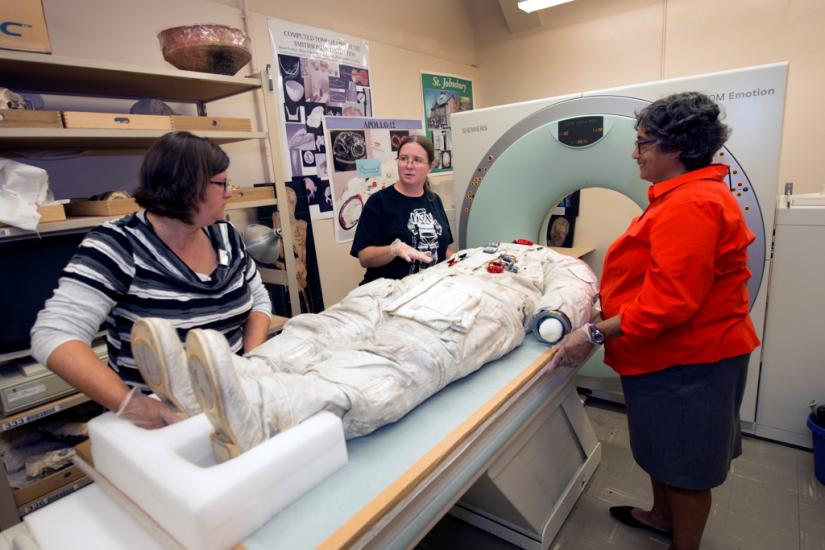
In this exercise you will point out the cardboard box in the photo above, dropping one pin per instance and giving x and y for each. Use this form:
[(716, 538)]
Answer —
[(51, 482), (48, 213), (84, 451), (119, 121), (51, 212), (225, 124), (113, 207), (20, 118), (23, 26)]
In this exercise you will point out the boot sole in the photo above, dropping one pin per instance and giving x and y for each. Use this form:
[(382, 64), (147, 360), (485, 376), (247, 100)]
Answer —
[(146, 346), (205, 382)]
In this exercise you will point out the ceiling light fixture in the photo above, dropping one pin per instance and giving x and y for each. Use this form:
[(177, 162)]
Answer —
[(534, 5)]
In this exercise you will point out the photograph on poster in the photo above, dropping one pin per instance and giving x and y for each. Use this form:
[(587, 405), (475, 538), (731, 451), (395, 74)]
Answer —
[(347, 147), (364, 154), (321, 166), (318, 192), (358, 75), (293, 113), (561, 225), (321, 73), (396, 137), (560, 230)]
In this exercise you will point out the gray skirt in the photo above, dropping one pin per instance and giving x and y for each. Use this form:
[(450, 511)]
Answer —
[(684, 421)]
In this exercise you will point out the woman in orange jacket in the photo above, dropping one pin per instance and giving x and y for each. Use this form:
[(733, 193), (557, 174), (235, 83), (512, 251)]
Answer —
[(675, 320)]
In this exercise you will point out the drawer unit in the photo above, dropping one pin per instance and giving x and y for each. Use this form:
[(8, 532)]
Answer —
[(119, 121), (203, 123), (24, 118)]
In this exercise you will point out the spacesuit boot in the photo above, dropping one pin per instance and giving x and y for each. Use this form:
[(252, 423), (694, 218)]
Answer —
[(230, 401), (161, 360)]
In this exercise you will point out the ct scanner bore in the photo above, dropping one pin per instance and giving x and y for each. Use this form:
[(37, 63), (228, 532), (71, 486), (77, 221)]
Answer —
[(571, 145)]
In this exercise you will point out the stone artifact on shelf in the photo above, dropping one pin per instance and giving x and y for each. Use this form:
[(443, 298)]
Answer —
[(214, 49)]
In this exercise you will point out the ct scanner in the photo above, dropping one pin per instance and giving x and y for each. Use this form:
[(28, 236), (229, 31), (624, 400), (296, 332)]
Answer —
[(513, 163)]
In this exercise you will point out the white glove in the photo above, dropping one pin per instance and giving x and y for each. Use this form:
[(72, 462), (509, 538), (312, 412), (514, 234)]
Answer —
[(400, 249), (145, 412), (573, 350), (551, 330)]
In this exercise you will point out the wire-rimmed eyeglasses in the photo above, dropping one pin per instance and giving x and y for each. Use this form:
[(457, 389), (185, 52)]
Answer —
[(415, 161), (640, 142)]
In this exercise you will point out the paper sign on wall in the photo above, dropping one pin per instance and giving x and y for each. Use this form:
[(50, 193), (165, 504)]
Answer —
[(320, 74), (444, 95)]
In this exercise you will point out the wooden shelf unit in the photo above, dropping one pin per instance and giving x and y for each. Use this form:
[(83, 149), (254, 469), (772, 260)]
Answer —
[(49, 74), (44, 73), (87, 222), (65, 138)]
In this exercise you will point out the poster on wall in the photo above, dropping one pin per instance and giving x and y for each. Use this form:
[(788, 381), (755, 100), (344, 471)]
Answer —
[(444, 94), (320, 74), (362, 155), (561, 226)]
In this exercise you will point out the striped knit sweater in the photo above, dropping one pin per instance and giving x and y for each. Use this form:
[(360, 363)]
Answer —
[(123, 271)]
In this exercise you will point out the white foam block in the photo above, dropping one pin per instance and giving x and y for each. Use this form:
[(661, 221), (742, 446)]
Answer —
[(88, 519), (171, 475)]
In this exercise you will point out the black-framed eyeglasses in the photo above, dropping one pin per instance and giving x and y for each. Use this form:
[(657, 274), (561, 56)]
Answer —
[(227, 185), (640, 142)]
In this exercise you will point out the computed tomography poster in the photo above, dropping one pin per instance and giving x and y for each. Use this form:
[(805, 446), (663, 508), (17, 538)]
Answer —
[(320, 74)]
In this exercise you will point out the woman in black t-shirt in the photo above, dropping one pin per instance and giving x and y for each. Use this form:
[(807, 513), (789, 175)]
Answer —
[(404, 227)]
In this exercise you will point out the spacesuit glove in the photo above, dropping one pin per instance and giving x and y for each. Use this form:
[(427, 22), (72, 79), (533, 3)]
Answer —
[(402, 250), (145, 412), (573, 350)]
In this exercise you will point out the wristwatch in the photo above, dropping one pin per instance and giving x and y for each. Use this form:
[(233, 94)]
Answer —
[(594, 335)]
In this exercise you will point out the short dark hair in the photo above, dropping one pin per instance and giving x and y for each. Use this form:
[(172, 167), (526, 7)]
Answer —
[(175, 172), (428, 147), (687, 122)]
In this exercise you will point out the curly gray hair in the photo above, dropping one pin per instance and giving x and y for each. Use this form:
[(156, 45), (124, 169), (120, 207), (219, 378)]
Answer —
[(687, 122)]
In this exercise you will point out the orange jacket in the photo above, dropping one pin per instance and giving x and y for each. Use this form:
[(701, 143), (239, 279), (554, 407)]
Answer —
[(678, 276)]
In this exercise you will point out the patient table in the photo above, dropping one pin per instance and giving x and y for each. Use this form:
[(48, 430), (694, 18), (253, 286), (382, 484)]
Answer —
[(508, 449)]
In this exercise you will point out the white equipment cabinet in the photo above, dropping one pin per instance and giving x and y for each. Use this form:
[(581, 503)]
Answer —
[(793, 355)]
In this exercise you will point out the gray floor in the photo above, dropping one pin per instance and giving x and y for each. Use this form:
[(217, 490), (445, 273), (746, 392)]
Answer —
[(771, 501)]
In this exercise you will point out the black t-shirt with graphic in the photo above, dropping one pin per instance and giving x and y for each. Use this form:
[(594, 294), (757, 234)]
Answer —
[(418, 221)]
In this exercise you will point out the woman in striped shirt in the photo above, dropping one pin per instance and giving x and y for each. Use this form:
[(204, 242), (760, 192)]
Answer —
[(178, 259)]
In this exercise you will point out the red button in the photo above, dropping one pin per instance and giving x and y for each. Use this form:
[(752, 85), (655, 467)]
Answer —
[(495, 267)]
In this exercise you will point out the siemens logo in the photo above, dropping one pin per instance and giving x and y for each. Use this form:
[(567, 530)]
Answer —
[(472, 129), (9, 28)]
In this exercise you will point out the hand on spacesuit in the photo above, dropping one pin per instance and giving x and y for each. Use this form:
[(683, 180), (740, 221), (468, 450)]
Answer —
[(573, 350), (145, 412), (402, 250)]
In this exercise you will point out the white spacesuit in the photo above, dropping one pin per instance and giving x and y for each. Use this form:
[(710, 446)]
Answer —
[(374, 356)]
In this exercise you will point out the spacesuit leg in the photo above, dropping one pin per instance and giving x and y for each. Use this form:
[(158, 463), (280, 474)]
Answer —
[(308, 339), (245, 400)]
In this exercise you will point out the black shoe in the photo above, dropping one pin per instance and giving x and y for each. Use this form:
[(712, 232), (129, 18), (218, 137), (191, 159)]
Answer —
[(625, 515)]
